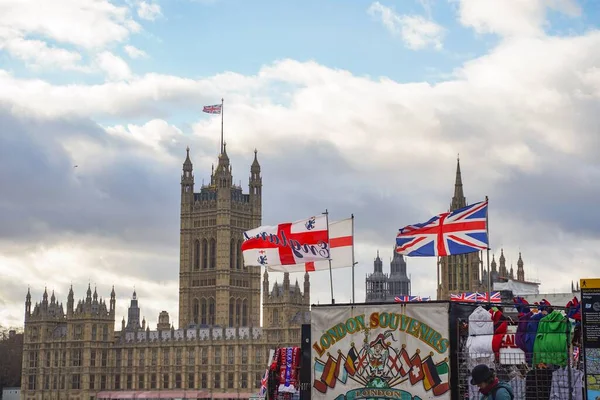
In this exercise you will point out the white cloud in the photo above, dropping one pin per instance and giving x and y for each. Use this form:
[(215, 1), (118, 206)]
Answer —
[(37, 53), (512, 17), (134, 52), (85, 23), (523, 117), (149, 11), (114, 66), (416, 31)]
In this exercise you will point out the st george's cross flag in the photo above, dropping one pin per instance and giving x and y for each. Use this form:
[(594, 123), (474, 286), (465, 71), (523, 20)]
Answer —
[(341, 243), (289, 243), (457, 232)]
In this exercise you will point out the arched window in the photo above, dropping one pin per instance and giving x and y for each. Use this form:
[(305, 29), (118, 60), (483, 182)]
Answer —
[(275, 317), (196, 254), (232, 253), (204, 254), (238, 312), (245, 313), (213, 254), (196, 311), (231, 310), (203, 313), (240, 259), (211, 311)]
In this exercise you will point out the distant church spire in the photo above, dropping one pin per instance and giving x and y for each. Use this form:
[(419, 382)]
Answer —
[(458, 200)]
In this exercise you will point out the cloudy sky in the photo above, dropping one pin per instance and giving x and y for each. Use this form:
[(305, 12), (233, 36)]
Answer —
[(355, 106)]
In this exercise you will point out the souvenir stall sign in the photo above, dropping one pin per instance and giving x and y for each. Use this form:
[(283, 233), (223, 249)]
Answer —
[(387, 351), (590, 322)]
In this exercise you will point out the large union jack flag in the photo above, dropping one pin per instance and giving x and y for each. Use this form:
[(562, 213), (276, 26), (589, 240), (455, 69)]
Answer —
[(457, 232)]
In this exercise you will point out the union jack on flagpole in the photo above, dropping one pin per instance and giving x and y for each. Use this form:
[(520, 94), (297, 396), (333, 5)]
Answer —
[(217, 109), (457, 232)]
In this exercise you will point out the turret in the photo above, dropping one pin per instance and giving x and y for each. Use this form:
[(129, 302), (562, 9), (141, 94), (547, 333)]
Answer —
[(286, 283), (88, 295), (255, 183), (378, 264), (306, 288), (520, 269), (28, 304), (112, 301), (266, 287), (503, 272), (45, 299), (187, 180), (70, 302), (494, 265)]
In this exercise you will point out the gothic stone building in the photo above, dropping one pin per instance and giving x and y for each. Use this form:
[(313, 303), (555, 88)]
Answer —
[(381, 287), (465, 272), (219, 349)]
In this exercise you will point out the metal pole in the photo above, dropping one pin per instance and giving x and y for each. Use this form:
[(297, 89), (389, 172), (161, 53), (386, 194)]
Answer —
[(222, 112), (330, 272), (437, 289), (487, 231), (353, 263)]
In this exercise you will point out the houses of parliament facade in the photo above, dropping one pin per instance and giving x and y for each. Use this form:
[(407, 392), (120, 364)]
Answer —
[(219, 349)]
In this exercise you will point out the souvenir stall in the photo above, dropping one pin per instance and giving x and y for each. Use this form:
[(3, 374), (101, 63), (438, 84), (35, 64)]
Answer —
[(282, 379), (537, 352)]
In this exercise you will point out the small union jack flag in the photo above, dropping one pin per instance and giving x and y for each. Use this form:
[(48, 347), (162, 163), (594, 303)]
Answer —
[(216, 109), (485, 298), (457, 232), (464, 297)]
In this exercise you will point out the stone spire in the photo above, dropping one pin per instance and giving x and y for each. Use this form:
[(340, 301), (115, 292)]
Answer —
[(520, 269), (502, 271), (494, 265), (458, 200)]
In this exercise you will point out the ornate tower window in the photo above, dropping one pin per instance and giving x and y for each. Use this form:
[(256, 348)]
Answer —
[(211, 311), (204, 254), (232, 260), (213, 254), (196, 311), (204, 314), (196, 255)]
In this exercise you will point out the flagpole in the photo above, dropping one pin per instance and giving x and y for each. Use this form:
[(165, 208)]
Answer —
[(437, 289), (222, 112), (487, 232), (353, 263), (330, 272)]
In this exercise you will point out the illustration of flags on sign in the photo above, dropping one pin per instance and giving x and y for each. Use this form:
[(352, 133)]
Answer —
[(350, 364), (416, 371), (457, 232), (215, 109), (430, 375), (288, 243), (442, 370), (341, 242)]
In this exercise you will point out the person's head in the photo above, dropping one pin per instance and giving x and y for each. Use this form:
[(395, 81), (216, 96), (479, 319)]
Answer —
[(482, 376)]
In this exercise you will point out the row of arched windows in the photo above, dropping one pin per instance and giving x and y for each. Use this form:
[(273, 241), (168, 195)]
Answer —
[(238, 312), (236, 260), (204, 311), (205, 254)]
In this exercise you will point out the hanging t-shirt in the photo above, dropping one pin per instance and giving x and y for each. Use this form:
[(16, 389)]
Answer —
[(479, 342), (560, 384)]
